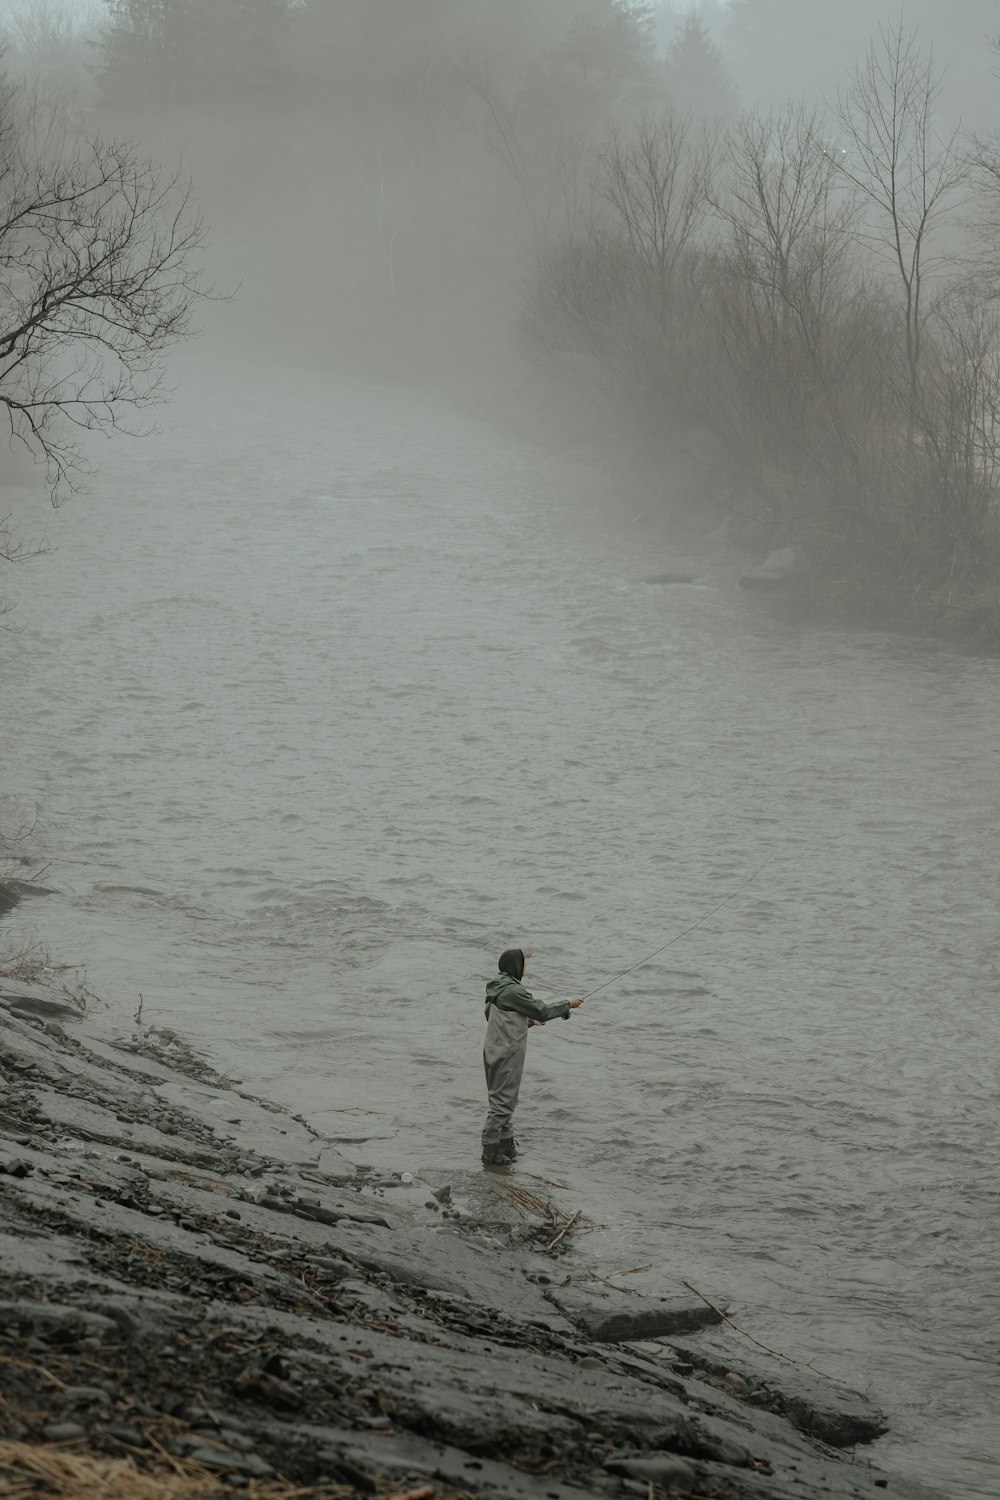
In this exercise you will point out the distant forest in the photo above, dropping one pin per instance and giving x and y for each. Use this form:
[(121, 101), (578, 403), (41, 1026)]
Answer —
[(767, 232)]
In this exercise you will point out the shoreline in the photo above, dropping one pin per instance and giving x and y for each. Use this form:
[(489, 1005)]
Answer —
[(200, 1295)]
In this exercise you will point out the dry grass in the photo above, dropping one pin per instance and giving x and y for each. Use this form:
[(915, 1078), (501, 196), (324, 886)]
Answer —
[(32, 1472), (29, 1471)]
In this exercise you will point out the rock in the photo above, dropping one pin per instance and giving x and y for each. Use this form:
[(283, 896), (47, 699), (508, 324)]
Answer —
[(661, 1468), (86, 1395), (818, 1407), (16, 1168), (616, 1320), (737, 1383), (37, 1003), (122, 1434), (777, 569), (61, 1432), (317, 1214), (331, 1265), (247, 1464)]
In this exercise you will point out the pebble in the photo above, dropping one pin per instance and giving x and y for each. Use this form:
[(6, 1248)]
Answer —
[(123, 1434), (235, 1440), (59, 1432), (232, 1214), (330, 1264), (736, 1383), (84, 1395), (236, 1463)]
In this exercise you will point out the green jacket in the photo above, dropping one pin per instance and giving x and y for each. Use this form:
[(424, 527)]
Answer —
[(507, 994)]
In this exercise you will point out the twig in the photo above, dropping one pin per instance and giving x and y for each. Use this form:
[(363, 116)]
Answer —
[(177, 1468), (138, 1014), (207, 1408), (547, 1180), (29, 1364), (564, 1230), (630, 1270), (806, 1363)]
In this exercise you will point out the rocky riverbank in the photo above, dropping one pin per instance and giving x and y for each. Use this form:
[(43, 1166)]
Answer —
[(199, 1296)]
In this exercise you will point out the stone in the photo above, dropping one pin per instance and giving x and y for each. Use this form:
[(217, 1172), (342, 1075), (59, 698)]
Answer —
[(664, 1468), (777, 569), (86, 1395), (331, 1265), (122, 1434), (820, 1408), (63, 1432), (615, 1320), (247, 1464)]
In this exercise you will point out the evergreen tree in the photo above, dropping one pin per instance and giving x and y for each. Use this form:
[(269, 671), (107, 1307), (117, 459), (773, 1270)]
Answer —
[(695, 76), (168, 54)]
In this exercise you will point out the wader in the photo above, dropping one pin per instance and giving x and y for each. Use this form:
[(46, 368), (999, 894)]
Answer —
[(503, 1058)]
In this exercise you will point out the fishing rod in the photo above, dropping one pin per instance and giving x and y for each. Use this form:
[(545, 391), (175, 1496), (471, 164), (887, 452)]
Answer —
[(677, 936)]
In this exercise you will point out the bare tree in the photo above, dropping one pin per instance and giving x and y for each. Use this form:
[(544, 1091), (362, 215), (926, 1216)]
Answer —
[(910, 178), (960, 424), (787, 343), (656, 183), (98, 278)]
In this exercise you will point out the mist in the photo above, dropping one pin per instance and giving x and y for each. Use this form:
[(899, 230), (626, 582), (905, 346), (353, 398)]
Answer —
[(526, 479)]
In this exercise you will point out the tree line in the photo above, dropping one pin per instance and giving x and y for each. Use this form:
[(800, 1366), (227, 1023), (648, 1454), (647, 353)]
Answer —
[(807, 300), (803, 299)]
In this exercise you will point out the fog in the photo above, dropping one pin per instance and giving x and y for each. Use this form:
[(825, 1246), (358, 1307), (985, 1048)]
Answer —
[(482, 350), (380, 178)]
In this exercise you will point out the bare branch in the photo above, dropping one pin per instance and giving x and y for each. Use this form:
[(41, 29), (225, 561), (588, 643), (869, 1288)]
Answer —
[(99, 275)]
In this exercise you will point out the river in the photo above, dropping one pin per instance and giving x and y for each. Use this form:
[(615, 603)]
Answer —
[(330, 690)]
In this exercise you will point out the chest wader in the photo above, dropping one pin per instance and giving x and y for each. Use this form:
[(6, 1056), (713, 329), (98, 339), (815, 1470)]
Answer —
[(503, 1058)]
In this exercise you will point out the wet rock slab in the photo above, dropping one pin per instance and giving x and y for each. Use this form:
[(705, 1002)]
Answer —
[(196, 1283), (823, 1408), (615, 1318)]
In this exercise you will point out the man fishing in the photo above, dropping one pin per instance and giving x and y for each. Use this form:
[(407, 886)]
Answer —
[(510, 1010)]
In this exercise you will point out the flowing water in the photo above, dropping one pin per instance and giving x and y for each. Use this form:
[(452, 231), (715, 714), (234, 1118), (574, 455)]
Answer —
[(330, 691)]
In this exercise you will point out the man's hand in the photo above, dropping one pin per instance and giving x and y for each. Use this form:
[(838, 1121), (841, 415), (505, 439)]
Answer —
[(538, 1023), (574, 1003)]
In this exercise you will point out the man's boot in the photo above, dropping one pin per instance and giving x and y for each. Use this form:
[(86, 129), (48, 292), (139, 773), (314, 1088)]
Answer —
[(508, 1148)]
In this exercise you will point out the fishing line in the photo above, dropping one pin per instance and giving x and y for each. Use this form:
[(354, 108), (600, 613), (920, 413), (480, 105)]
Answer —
[(677, 936)]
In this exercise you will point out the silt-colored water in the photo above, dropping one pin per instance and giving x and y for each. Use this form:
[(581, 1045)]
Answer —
[(328, 692)]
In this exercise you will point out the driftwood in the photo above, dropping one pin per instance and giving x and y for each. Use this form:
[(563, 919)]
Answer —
[(564, 1230), (806, 1364), (554, 1223)]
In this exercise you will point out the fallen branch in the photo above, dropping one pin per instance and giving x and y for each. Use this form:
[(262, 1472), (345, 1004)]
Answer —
[(29, 1364), (564, 1230), (806, 1364), (547, 1180)]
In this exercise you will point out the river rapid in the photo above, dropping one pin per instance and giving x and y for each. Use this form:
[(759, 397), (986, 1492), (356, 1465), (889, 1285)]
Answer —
[(329, 691)]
